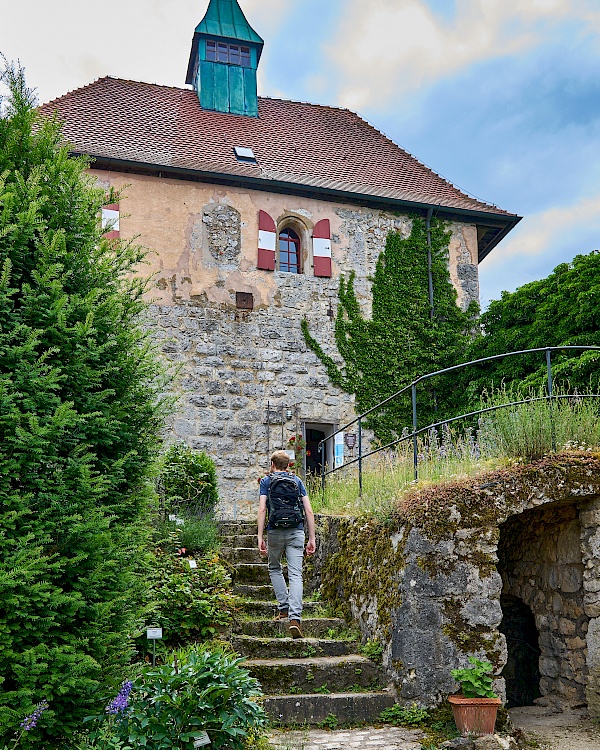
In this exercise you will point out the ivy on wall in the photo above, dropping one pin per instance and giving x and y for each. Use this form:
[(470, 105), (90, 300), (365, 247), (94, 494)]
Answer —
[(401, 340)]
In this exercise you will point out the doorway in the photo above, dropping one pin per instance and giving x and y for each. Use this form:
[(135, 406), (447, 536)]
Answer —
[(314, 433), (522, 670)]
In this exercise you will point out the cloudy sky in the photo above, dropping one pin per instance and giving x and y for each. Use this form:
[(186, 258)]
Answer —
[(502, 97)]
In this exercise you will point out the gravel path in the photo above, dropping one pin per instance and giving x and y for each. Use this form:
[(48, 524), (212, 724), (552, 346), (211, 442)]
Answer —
[(571, 730)]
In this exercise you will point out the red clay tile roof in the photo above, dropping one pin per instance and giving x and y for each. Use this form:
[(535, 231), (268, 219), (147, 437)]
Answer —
[(301, 144)]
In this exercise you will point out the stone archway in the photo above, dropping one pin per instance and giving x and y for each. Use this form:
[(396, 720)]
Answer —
[(541, 564)]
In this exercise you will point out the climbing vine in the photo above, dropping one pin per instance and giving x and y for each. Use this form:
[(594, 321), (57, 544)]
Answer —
[(401, 340)]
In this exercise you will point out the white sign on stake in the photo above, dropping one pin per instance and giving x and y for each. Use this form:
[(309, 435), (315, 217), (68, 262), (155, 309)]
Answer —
[(202, 740), (193, 564), (154, 634)]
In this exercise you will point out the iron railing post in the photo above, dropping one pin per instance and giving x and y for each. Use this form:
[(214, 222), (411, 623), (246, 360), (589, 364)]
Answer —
[(550, 395), (414, 420), (360, 476), (322, 452)]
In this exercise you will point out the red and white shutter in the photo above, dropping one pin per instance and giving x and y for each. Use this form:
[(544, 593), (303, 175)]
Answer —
[(322, 248), (110, 221), (267, 242)]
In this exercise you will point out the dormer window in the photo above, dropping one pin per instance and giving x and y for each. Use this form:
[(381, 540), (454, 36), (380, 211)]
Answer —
[(234, 54)]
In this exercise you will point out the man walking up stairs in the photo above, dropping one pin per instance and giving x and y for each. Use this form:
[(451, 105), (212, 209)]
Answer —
[(284, 503), (319, 678)]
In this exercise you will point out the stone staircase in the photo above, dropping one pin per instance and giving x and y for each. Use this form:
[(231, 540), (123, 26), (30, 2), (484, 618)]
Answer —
[(308, 680)]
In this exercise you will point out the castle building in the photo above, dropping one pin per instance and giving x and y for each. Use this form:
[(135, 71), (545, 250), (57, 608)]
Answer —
[(252, 208)]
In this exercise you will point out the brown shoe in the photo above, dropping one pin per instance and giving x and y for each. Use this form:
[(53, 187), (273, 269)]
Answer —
[(281, 615), (295, 631)]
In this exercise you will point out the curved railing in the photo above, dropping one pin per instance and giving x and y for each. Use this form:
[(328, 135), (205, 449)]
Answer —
[(416, 431)]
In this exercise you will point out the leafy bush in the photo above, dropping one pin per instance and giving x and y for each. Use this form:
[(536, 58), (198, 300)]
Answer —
[(188, 482), (475, 681), (189, 603), (80, 425), (172, 705), (196, 534)]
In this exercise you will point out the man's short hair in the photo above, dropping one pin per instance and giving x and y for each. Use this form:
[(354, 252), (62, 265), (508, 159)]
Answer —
[(280, 460)]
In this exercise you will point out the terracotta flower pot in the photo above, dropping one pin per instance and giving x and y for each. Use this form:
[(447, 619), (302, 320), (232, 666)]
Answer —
[(474, 715)]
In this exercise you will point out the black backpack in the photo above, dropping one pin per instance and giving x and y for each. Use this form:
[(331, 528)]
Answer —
[(284, 502)]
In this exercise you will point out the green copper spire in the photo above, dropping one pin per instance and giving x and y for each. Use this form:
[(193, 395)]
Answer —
[(224, 59)]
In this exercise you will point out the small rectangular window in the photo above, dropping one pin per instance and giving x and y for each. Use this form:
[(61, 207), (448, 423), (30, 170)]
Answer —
[(228, 53), (223, 52), (211, 51)]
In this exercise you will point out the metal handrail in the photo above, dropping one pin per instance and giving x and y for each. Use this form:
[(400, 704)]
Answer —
[(418, 431)]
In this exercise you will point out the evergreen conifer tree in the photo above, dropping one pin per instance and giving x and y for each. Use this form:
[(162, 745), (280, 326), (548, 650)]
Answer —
[(80, 415), (402, 340)]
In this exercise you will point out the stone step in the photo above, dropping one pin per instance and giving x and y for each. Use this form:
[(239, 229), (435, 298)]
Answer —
[(255, 647), (348, 708), (241, 555), (311, 674), (235, 528), (253, 592), (256, 573), (322, 627), (268, 609), (336, 673), (241, 540)]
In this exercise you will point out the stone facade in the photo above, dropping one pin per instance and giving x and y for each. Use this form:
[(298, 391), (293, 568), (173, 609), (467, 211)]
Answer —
[(440, 580), (240, 369)]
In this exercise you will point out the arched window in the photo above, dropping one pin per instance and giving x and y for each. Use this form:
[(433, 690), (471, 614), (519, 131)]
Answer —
[(289, 251)]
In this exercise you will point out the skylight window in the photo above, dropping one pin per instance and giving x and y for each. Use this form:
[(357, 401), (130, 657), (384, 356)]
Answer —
[(245, 154)]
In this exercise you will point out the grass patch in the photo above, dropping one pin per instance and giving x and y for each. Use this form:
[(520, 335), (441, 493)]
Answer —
[(523, 432)]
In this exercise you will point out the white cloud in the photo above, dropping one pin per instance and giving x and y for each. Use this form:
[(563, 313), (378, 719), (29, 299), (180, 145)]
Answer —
[(386, 47), (537, 234), (65, 44)]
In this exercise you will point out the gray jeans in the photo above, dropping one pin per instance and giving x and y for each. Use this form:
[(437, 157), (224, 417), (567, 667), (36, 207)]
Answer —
[(290, 541)]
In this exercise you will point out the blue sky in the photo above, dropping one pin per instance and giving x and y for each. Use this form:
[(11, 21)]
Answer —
[(502, 98)]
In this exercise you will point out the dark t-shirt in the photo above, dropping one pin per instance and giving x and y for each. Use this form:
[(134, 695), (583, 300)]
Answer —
[(265, 483)]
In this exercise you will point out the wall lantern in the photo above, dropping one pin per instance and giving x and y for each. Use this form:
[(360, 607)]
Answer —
[(289, 414), (350, 439), (330, 313)]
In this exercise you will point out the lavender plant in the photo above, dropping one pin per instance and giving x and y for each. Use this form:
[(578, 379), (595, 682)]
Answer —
[(28, 724)]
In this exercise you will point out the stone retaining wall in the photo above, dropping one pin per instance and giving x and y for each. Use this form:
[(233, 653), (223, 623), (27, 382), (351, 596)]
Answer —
[(426, 582)]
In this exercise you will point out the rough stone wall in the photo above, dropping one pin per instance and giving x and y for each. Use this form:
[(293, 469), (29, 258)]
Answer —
[(233, 364), (203, 243), (426, 582), (590, 537), (541, 564)]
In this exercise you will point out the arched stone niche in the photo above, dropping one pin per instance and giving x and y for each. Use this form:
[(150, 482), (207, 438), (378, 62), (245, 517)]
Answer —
[(540, 561)]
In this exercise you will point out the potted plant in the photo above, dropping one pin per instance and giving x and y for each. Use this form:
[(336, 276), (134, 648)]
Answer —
[(476, 706)]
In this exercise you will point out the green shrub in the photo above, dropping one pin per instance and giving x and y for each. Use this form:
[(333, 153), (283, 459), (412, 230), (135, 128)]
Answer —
[(189, 604), (80, 422), (199, 691), (196, 534), (187, 482)]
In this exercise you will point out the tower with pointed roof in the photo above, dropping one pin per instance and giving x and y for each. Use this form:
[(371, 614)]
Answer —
[(224, 59)]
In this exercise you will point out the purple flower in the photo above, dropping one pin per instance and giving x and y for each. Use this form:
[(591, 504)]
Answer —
[(30, 722), (119, 704)]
